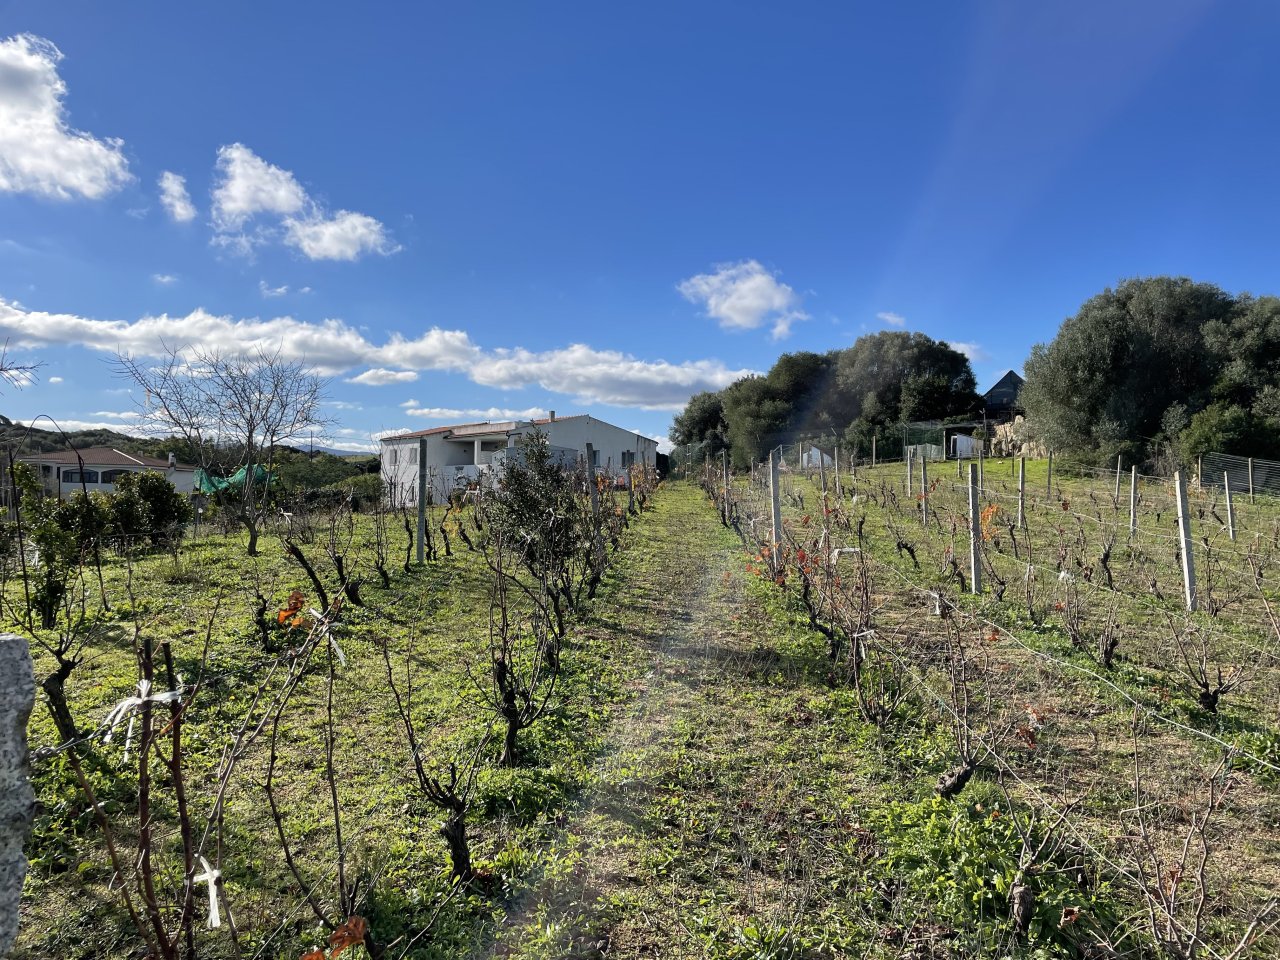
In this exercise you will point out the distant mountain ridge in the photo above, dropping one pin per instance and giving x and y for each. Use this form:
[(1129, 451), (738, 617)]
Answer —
[(28, 439)]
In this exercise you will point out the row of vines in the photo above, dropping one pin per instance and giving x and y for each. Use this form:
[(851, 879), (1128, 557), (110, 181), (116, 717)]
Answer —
[(1134, 746)]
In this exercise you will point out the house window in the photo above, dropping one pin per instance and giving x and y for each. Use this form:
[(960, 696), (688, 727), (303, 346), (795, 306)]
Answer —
[(110, 476), (79, 476), (628, 459), (395, 456), (413, 454)]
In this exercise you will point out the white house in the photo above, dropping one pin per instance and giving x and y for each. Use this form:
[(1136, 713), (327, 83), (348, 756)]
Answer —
[(457, 455), (96, 469)]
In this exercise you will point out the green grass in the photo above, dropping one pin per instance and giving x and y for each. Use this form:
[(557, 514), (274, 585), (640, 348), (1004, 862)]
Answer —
[(704, 788)]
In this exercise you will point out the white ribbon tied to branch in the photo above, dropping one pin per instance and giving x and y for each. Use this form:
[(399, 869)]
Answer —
[(327, 629), (210, 877), (129, 707)]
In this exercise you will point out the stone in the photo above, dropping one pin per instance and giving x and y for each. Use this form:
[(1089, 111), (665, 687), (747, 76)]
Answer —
[(17, 799)]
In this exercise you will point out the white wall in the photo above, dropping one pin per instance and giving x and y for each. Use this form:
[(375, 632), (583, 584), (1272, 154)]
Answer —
[(400, 463)]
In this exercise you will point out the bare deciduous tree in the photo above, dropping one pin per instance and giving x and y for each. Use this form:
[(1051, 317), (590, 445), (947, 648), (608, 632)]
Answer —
[(232, 410)]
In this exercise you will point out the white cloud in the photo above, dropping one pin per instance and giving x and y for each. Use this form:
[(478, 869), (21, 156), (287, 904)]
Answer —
[(174, 197), (164, 278), (604, 376), (333, 347), (382, 377), (39, 153), (247, 186), (490, 413), (974, 351), (891, 318), (409, 403), (344, 236), (267, 291), (55, 379), (745, 296)]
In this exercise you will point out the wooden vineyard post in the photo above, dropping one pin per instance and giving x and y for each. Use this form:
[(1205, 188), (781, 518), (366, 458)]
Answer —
[(422, 499), (1251, 479), (1022, 492), (1133, 501), (924, 490), (775, 508), (1231, 510), (631, 492), (982, 473), (1184, 542), (975, 532), (1049, 482), (598, 545)]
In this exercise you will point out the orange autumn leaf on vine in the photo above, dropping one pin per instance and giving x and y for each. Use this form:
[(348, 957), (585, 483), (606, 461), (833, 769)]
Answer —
[(349, 934), (291, 615)]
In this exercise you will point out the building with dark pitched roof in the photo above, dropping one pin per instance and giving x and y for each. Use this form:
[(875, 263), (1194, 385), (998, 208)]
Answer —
[(1001, 401)]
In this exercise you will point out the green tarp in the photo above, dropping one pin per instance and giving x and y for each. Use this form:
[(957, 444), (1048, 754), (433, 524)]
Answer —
[(233, 483)]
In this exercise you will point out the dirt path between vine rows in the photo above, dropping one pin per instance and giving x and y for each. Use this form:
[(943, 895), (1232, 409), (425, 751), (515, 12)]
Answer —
[(672, 842)]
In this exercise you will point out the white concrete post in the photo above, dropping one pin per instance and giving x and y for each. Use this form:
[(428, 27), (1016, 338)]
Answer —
[(906, 459), (924, 490), (975, 532), (1022, 492), (17, 799), (1133, 501), (822, 469), (1049, 481), (1117, 493), (775, 501), (724, 475), (1231, 510), (1251, 479), (1184, 541), (873, 449), (835, 468)]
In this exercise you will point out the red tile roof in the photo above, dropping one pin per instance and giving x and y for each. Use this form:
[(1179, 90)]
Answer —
[(101, 457)]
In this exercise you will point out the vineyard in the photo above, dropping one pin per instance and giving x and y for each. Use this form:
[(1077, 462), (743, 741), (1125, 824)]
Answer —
[(1117, 754), (645, 730)]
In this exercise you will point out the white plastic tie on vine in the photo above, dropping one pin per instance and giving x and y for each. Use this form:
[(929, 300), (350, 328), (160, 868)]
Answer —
[(839, 552), (325, 628), (210, 877), (129, 706)]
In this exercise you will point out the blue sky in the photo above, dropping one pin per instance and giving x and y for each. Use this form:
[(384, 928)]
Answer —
[(461, 210)]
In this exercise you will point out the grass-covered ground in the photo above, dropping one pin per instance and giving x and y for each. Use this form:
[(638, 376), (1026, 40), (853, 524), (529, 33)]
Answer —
[(705, 787)]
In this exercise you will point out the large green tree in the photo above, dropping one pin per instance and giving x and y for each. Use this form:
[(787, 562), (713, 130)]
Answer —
[(881, 379), (1131, 363)]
